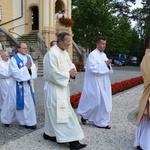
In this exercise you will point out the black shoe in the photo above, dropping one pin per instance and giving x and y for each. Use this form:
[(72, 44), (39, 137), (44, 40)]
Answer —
[(6, 125), (107, 127), (47, 137), (139, 148), (76, 145), (30, 127), (83, 120)]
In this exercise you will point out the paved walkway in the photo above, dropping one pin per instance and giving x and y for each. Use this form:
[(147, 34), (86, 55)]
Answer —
[(120, 137)]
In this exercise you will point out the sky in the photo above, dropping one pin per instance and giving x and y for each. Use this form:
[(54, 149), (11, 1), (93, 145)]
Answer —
[(137, 5)]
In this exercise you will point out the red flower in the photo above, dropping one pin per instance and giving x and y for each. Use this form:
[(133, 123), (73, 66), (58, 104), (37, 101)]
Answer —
[(66, 22), (116, 87), (79, 66), (74, 99)]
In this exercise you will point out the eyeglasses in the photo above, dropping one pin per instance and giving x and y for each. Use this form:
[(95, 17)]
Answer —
[(24, 47)]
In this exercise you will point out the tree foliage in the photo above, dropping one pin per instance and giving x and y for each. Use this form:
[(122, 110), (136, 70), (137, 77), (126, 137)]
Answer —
[(92, 18), (111, 19)]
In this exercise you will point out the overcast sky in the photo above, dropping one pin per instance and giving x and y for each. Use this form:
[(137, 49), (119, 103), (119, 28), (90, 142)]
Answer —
[(138, 4)]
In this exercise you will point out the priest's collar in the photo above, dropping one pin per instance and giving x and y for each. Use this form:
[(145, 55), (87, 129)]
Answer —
[(100, 51), (21, 56), (61, 50)]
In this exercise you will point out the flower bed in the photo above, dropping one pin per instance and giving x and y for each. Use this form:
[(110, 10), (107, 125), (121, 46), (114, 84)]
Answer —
[(116, 88)]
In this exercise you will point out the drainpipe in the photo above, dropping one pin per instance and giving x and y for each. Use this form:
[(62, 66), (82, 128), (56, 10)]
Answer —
[(15, 18)]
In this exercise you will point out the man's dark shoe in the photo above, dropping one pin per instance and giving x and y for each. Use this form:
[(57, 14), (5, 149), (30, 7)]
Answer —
[(47, 137), (139, 148), (107, 127), (76, 145), (30, 127), (6, 125), (83, 120)]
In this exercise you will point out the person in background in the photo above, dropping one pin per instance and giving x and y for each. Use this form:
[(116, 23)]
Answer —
[(142, 136), (95, 103), (52, 43), (5, 76), (1, 50), (61, 14), (61, 123), (20, 103)]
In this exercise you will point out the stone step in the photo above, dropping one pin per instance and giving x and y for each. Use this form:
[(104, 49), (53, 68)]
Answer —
[(40, 72), (40, 64)]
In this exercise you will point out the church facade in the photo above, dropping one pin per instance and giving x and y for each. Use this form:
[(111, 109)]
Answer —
[(25, 16)]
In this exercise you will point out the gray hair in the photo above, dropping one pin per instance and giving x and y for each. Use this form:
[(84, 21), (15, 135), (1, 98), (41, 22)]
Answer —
[(3, 53)]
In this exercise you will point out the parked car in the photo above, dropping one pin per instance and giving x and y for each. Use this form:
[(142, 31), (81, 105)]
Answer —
[(133, 61), (117, 63), (118, 59)]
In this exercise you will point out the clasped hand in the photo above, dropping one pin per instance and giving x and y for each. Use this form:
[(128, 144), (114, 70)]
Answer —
[(108, 62), (28, 64), (73, 72)]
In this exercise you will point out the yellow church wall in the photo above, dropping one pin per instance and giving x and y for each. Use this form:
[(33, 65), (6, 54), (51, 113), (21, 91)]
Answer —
[(19, 27), (29, 2), (7, 15)]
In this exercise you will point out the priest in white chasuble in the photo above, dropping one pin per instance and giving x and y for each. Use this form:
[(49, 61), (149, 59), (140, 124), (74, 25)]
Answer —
[(95, 104), (61, 123), (4, 76), (19, 104)]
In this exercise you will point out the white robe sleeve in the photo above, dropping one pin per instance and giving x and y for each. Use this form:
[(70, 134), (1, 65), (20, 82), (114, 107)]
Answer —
[(4, 73), (34, 71), (97, 66), (21, 74)]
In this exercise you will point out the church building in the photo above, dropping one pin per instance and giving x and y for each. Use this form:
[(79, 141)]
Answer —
[(22, 17)]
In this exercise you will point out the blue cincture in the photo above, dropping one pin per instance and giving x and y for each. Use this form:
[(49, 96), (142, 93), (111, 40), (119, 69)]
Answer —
[(20, 87)]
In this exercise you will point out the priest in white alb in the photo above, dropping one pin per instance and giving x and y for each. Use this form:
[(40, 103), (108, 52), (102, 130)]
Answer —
[(95, 104), (4, 76), (61, 123), (19, 104)]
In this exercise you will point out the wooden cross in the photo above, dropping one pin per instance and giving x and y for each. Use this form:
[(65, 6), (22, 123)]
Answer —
[(62, 107)]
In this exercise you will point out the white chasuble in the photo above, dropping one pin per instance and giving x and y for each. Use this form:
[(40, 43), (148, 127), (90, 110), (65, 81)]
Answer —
[(60, 119), (57, 74)]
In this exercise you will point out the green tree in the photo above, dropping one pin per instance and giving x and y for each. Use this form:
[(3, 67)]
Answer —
[(92, 18), (108, 18)]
